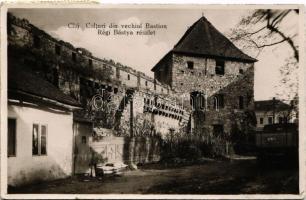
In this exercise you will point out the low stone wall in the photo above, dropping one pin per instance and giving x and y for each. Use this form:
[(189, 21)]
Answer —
[(129, 150), (141, 150)]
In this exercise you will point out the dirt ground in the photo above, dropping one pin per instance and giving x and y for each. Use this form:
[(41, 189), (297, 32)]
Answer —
[(212, 177)]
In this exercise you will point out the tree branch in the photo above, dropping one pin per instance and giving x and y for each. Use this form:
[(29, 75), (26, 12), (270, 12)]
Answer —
[(271, 44), (285, 38)]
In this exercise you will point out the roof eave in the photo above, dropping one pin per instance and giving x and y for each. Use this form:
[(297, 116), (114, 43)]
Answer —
[(156, 66), (70, 106), (251, 60)]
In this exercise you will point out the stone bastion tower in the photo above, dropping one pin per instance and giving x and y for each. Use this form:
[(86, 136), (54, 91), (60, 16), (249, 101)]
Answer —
[(217, 77)]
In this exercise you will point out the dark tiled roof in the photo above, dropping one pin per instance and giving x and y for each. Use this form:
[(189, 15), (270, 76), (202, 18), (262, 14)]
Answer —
[(204, 39), (267, 105), (26, 82)]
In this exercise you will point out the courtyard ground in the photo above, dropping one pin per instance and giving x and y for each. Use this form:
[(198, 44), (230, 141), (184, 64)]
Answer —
[(211, 177)]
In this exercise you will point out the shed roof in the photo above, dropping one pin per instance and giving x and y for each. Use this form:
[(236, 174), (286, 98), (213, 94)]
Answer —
[(23, 81)]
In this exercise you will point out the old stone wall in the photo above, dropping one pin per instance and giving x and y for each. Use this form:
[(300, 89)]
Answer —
[(203, 76), (64, 57), (77, 72), (235, 86)]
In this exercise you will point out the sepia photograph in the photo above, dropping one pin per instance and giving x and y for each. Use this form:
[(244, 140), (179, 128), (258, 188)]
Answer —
[(151, 100)]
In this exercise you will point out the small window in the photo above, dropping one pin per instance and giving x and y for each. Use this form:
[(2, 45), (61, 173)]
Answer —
[(11, 137), (73, 56), (270, 120), (241, 102), (182, 71), (84, 139), (240, 71), (128, 77), (58, 49), (115, 90), (90, 62), (219, 67), (36, 41), (39, 139), (35, 140), (200, 74), (261, 120), (43, 140), (190, 64), (182, 83), (146, 83)]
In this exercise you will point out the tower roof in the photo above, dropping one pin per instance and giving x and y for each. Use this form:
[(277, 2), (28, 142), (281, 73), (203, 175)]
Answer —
[(204, 39)]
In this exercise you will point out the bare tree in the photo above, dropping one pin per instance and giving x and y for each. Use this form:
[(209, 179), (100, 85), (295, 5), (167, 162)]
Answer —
[(264, 28)]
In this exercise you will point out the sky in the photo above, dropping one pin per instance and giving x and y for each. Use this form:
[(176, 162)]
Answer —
[(143, 52)]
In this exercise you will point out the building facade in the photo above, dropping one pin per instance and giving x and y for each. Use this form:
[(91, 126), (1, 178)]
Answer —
[(141, 108), (40, 134), (203, 85), (217, 77), (79, 74), (274, 111)]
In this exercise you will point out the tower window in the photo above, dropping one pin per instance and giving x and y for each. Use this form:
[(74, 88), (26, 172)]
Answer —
[(90, 62), (115, 90), (58, 49), (240, 71), (128, 77), (73, 56), (190, 65), (146, 83), (261, 120), (219, 67)]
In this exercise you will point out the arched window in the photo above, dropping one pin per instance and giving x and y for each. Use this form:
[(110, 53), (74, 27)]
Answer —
[(218, 101), (216, 107), (198, 100)]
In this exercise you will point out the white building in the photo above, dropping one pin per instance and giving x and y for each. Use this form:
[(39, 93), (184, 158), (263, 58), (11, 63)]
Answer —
[(40, 129), (273, 112)]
